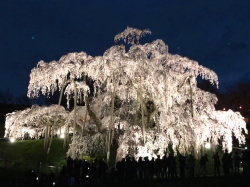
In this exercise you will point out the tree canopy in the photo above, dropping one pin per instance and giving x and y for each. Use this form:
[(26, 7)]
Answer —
[(144, 98)]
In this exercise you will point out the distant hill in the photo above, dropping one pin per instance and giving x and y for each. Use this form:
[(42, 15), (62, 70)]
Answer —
[(8, 108)]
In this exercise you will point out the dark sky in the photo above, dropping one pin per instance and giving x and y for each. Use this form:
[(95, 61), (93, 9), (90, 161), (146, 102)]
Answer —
[(216, 33)]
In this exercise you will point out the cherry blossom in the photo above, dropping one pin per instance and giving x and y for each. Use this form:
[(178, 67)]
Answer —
[(143, 97)]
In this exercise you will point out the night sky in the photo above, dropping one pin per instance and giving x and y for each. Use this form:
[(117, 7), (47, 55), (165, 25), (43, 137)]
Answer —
[(216, 33)]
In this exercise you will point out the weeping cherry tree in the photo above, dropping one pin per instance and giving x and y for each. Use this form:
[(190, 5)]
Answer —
[(144, 99)]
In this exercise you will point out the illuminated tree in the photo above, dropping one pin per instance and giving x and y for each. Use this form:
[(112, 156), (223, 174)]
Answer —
[(144, 97), (36, 122)]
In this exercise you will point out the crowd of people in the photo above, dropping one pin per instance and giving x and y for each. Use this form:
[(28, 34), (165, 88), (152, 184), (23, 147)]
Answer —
[(168, 166), (231, 163), (75, 173)]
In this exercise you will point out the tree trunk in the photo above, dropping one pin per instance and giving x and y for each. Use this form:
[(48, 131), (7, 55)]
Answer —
[(45, 137), (48, 136), (51, 137), (66, 137), (142, 115), (191, 97), (86, 113), (74, 125), (110, 124), (59, 103), (94, 117)]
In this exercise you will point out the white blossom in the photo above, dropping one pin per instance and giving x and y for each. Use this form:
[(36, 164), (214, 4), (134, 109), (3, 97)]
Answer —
[(156, 95)]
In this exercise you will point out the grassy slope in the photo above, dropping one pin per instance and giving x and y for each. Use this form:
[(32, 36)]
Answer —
[(29, 153)]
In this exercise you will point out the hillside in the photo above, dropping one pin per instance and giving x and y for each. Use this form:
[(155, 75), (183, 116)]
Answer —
[(30, 154)]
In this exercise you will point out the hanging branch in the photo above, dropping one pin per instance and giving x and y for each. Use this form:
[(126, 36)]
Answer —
[(191, 98)]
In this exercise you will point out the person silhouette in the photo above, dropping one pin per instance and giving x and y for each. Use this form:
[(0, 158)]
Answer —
[(236, 163), (203, 165), (190, 165), (158, 166), (216, 158), (182, 162), (172, 168), (140, 169), (225, 162)]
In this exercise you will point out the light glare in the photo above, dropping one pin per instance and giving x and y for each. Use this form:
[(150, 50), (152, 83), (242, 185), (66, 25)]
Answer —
[(61, 135), (12, 140), (207, 145)]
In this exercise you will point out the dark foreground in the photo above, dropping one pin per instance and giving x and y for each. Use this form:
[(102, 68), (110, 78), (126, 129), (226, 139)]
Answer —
[(223, 181), (210, 181)]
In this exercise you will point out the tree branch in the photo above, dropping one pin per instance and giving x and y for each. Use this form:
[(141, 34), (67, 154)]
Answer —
[(94, 117)]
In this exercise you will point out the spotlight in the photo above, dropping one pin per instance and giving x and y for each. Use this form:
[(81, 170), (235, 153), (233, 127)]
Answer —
[(207, 145), (12, 140)]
